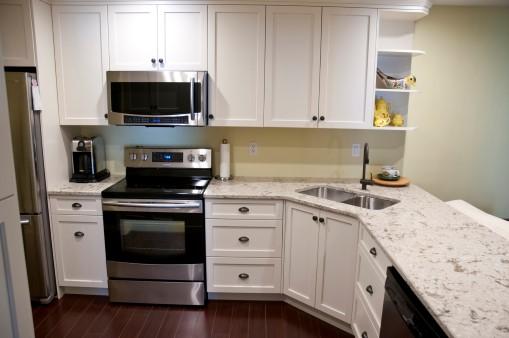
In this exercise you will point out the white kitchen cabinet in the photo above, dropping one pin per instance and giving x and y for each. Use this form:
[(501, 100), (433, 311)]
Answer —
[(78, 242), (133, 37), (336, 265), (81, 57), (16, 33), (347, 74), (236, 57), (182, 37), (292, 66), (301, 252)]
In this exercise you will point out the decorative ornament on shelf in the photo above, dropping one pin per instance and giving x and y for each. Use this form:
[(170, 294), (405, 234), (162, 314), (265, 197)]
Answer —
[(385, 81), (397, 120), (382, 117)]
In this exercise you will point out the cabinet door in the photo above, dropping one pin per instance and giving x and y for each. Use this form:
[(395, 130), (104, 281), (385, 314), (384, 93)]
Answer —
[(182, 36), (336, 265), (292, 66), (133, 37), (16, 33), (347, 75), (79, 249), (81, 57), (236, 37), (301, 251)]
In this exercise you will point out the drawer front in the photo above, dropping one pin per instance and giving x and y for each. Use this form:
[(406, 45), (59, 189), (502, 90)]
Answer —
[(362, 325), (244, 275), (243, 209), (80, 253), (75, 205), (376, 253), (372, 284), (244, 238)]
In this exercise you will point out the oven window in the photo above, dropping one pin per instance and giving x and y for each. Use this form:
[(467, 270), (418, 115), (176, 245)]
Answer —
[(153, 238)]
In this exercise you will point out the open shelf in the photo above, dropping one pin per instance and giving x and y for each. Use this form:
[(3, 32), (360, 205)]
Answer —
[(389, 128), (401, 52), (397, 90)]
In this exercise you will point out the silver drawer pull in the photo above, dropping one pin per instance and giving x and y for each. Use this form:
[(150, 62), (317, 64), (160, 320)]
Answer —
[(243, 239), (79, 234), (372, 251), (243, 210), (243, 276), (369, 289), (364, 334), (76, 205)]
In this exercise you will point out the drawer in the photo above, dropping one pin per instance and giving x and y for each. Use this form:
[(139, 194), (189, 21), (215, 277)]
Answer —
[(244, 275), (371, 283), (362, 325), (75, 205), (243, 209), (375, 251), (244, 238)]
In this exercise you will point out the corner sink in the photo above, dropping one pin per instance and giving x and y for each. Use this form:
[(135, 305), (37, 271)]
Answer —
[(370, 202), (329, 193)]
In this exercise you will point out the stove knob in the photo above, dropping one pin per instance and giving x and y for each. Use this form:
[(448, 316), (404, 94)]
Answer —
[(190, 158), (144, 157), (202, 158), (132, 156)]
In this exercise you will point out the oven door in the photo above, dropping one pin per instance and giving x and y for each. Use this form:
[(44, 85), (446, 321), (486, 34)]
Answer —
[(156, 98), (154, 239)]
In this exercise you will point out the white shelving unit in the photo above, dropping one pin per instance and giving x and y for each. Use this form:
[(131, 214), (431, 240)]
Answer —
[(401, 52)]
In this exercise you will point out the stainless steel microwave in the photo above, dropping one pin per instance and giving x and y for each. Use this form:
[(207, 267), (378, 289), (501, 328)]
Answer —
[(157, 98)]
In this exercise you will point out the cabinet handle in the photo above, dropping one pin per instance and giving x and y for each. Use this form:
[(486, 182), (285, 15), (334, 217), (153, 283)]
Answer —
[(153, 60), (244, 210), (105, 116), (243, 239), (243, 276), (372, 251), (369, 289), (315, 218), (76, 205), (364, 334), (161, 60), (211, 117), (79, 234), (322, 118), (321, 220), (315, 118)]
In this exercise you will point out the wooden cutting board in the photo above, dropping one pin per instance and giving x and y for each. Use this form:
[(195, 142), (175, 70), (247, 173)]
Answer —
[(402, 182)]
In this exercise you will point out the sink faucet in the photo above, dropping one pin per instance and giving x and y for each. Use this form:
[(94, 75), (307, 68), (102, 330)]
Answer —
[(365, 160)]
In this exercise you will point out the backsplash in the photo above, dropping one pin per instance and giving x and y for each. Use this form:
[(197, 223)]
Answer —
[(281, 152)]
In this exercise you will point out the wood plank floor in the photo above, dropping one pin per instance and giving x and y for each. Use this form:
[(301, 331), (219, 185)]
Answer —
[(94, 316)]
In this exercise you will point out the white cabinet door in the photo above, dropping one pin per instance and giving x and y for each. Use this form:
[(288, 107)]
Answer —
[(336, 265), (16, 33), (133, 37), (347, 75), (236, 50), (182, 36), (292, 66), (301, 251), (79, 250), (81, 57)]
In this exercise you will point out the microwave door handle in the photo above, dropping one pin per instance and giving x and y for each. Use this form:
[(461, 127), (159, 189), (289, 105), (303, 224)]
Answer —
[(152, 205), (192, 98)]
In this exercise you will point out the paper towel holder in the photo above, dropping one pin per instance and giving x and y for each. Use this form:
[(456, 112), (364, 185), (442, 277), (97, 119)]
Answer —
[(218, 177)]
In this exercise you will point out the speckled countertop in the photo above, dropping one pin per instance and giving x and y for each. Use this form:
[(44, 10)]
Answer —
[(84, 189), (458, 268)]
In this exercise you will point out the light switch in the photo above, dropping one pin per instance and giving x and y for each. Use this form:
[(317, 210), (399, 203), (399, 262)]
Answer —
[(356, 150)]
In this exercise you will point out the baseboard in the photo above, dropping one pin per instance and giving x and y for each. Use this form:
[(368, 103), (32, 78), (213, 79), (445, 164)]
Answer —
[(265, 297), (84, 291)]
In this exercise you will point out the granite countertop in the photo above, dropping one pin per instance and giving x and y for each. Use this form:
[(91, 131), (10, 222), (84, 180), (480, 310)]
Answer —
[(84, 189), (457, 267)]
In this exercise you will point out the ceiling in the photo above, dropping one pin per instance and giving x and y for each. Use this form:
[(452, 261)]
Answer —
[(471, 2)]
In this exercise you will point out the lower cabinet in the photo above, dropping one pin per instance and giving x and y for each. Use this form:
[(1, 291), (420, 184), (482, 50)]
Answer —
[(320, 259)]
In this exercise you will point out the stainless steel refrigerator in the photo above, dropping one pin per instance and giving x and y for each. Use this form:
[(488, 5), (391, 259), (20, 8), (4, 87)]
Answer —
[(31, 184)]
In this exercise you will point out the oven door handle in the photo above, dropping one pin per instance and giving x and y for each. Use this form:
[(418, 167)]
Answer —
[(186, 205)]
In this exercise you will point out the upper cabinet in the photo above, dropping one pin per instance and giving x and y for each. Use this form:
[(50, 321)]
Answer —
[(16, 33), (347, 75), (236, 58), (150, 37), (81, 57), (133, 37), (292, 66)]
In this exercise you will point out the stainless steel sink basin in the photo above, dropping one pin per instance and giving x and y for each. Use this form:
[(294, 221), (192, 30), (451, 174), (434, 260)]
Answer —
[(342, 196), (329, 193), (369, 202)]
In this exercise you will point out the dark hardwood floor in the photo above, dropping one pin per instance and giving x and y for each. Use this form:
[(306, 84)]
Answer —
[(93, 316)]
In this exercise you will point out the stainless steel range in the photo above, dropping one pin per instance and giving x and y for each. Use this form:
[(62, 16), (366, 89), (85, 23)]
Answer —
[(154, 227)]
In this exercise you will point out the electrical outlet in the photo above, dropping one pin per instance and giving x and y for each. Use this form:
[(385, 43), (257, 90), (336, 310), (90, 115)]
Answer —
[(356, 150), (252, 148)]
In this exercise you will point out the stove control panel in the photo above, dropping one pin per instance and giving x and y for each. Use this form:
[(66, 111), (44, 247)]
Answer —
[(160, 157)]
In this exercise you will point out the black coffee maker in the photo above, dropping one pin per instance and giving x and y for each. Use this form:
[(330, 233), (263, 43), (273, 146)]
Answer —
[(88, 160)]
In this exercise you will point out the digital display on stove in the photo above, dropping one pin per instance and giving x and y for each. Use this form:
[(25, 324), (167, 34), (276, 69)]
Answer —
[(167, 157)]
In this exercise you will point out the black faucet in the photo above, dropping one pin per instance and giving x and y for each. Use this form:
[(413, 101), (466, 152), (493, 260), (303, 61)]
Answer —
[(365, 160)]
